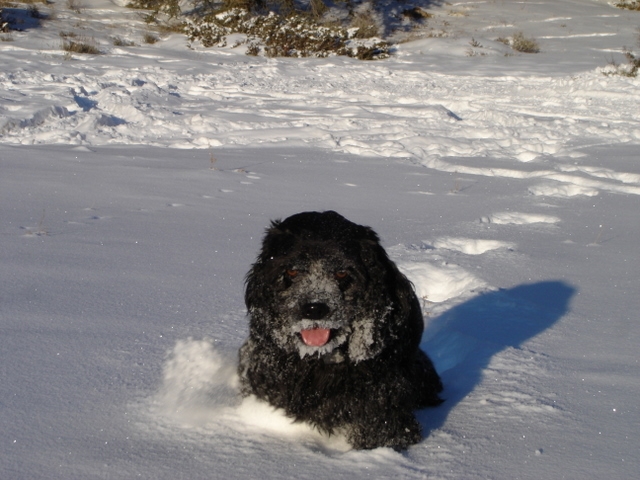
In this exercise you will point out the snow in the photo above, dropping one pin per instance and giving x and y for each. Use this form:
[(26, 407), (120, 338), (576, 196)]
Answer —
[(135, 187)]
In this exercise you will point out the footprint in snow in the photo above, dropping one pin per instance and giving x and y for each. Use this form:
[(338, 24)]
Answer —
[(470, 246), (518, 218), (560, 190)]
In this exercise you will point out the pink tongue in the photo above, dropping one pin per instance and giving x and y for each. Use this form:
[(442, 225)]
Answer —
[(315, 337)]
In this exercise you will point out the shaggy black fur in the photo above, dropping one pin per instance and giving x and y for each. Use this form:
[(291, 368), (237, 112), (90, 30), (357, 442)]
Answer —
[(334, 333)]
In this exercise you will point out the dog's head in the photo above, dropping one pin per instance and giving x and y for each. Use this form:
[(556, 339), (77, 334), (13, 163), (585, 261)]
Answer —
[(323, 287)]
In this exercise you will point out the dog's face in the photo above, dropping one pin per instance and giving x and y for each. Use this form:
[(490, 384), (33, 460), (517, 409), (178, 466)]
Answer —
[(313, 290), (319, 305)]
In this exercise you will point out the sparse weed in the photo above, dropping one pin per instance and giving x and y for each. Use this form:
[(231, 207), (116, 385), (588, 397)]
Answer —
[(75, 6), (470, 52), (121, 42), (416, 13), (457, 13), (525, 45), (253, 49), (40, 231), (81, 45), (171, 27), (318, 8), (628, 4), (365, 24), (150, 38), (168, 7), (520, 43), (630, 69)]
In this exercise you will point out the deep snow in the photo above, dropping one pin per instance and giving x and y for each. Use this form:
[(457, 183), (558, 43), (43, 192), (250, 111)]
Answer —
[(135, 187)]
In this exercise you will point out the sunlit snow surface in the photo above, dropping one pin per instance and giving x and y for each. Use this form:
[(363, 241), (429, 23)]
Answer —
[(135, 187)]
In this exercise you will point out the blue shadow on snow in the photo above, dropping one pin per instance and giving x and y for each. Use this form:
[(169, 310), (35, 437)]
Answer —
[(462, 341)]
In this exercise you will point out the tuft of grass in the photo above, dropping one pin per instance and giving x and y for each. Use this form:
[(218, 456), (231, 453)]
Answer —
[(253, 49), (525, 45), (630, 69), (40, 231), (212, 160), (416, 13), (170, 27), (520, 43), (168, 7), (628, 4), (75, 6), (317, 8), (150, 38), (121, 42), (81, 45), (365, 24)]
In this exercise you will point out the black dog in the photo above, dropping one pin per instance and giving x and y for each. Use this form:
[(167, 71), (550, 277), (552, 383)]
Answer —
[(334, 333)]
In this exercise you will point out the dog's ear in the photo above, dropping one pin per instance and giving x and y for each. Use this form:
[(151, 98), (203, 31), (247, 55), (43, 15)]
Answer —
[(397, 287), (276, 243)]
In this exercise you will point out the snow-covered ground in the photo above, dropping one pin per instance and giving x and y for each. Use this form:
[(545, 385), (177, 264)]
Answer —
[(135, 186)]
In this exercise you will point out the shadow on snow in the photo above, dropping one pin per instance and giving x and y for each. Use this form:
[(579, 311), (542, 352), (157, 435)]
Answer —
[(20, 18), (462, 341)]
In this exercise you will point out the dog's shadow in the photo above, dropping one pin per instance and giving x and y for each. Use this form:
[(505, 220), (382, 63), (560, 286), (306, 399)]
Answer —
[(462, 341)]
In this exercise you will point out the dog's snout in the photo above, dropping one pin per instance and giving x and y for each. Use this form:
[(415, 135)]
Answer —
[(315, 311)]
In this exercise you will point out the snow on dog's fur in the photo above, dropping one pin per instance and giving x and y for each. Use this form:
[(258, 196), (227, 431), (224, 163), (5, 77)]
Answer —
[(334, 333)]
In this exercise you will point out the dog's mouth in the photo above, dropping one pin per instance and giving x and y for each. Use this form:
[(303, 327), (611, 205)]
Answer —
[(318, 338), (315, 337)]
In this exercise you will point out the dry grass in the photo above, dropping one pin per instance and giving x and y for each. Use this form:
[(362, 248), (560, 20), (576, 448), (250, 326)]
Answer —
[(170, 27), (525, 45), (629, 4), (366, 24), (75, 5), (520, 43), (81, 45), (416, 13), (150, 38), (318, 8), (121, 42), (630, 69), (274, 35)]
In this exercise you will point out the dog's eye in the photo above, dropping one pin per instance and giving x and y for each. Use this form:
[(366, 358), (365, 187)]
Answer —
[(292, 273), (342, 274)]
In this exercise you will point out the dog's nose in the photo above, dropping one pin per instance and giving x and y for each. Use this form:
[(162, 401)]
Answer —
[(315, 311)]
